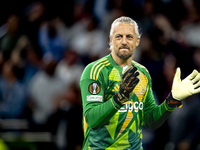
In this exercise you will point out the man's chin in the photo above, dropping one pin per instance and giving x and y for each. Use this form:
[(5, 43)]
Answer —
[(124, 56)]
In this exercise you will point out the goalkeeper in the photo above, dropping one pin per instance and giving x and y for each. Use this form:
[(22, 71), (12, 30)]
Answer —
[(117, 94)]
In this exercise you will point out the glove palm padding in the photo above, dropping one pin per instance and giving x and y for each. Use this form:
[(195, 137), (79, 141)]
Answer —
[(187, 87), (128, 82)]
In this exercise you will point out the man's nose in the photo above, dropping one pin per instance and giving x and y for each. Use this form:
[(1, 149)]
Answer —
[(124, 42)]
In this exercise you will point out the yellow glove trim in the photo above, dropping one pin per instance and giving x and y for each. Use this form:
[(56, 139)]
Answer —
[(167, 108), (113, 104)]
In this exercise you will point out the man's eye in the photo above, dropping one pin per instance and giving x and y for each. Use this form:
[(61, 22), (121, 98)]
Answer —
[(118, 36), (129, 36)]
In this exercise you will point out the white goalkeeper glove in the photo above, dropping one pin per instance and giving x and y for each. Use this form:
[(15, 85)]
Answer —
[(185, 88)]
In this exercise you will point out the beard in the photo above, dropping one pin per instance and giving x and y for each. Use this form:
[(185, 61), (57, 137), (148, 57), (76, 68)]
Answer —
[(123, 55)]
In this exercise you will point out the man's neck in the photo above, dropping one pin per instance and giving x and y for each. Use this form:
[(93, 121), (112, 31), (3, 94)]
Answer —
[(121, 62)]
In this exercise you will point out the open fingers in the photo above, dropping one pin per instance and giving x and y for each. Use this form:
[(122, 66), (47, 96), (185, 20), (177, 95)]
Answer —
[(197, 84), (193, 75), (197, 90), (128, 79), (134, 82), (196, 78), (128, 72)]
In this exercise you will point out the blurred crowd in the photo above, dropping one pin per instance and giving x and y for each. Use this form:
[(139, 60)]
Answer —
[(45, 45)]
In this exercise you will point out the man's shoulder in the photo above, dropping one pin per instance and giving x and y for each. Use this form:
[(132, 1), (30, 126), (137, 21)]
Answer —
[(140, 67), (93, 69), (97, 63)]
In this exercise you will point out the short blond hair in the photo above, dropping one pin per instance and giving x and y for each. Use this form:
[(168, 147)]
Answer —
[(124, 19)]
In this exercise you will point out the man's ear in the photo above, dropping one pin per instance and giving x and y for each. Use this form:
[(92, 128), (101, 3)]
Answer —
[(137, 42), (110, 39), (110, 44)]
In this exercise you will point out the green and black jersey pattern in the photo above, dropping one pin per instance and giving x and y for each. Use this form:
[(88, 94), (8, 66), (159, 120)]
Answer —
[(106, 124)]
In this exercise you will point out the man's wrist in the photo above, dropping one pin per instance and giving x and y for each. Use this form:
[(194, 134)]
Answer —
[(120, 98), (172, 102), (117, 98)]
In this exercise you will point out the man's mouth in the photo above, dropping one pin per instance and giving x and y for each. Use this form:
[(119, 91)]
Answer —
[(124, 48)]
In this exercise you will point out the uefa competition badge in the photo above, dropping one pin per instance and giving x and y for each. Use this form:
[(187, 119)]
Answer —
[(94, 88)]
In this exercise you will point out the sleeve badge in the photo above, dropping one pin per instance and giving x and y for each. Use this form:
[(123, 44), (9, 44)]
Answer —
[(94, 88)]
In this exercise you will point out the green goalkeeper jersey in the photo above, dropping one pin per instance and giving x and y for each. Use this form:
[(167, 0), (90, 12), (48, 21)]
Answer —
[(106, 124)]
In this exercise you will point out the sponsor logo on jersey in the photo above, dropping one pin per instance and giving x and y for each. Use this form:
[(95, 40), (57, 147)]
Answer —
[(94, 98), (132, 106), (94, 88)]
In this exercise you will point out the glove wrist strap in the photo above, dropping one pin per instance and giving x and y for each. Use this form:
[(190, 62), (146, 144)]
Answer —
[(120, 98), (171, 102)]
